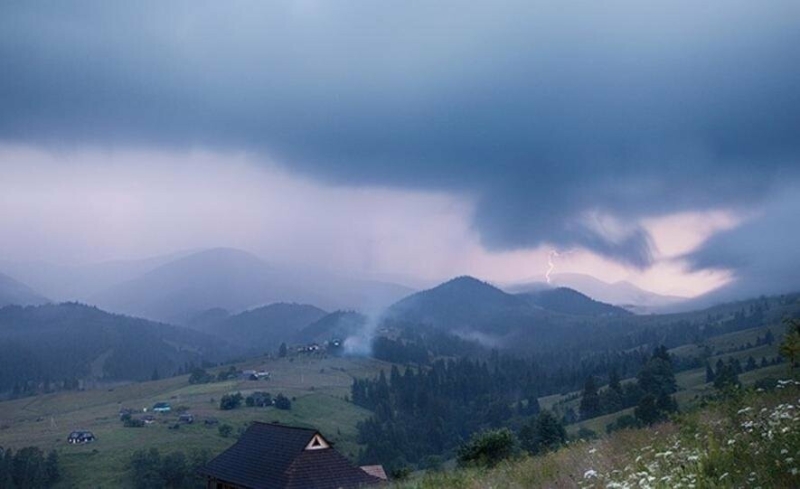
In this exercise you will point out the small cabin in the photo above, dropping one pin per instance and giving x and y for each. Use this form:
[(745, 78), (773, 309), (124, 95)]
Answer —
[(275, 456), (80, 437), (186, 418), (162, 407)]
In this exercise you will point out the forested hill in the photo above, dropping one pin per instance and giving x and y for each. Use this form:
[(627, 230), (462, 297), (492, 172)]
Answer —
[(265, 328), (62, 343), (565, 321), (464, 303), (569, 301)]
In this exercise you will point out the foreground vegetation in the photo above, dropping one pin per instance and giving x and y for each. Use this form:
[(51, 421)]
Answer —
[(744, 439)]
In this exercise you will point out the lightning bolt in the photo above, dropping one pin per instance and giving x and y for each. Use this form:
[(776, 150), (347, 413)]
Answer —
[(550, 265)]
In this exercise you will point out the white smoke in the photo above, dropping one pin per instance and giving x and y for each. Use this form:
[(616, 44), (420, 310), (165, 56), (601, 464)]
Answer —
[(359, 343)]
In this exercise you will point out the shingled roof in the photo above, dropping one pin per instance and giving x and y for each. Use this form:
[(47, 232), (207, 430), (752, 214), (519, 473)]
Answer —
[(278, 456)]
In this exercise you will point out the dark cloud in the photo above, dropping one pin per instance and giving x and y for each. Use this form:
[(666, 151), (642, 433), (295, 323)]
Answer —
[(548, 114), (763, 252)]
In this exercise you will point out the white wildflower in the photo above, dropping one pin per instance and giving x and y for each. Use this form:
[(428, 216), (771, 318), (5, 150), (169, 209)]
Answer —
[(590, 474)]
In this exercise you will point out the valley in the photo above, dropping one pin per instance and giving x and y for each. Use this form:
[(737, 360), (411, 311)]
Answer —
[(318, 387)]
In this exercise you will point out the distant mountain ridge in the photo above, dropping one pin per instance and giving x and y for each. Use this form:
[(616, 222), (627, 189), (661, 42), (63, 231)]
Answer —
[(621, 294), (64, 283), (14, 292), (236, 281)]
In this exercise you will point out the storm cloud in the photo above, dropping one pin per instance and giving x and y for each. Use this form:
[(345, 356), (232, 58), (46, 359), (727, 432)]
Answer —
[(567, 123)]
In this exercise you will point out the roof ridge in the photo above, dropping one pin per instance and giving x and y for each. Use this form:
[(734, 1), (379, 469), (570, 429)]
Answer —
[(280, 425)]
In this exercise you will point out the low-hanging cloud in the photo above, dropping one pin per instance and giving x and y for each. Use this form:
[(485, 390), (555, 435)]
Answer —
[(557, 119)]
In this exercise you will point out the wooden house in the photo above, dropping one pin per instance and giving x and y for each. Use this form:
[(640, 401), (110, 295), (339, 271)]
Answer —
[(79, 437), (282, 457)]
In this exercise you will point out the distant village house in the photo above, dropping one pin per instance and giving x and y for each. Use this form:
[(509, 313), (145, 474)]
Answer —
[(79, 437), (162, 407)]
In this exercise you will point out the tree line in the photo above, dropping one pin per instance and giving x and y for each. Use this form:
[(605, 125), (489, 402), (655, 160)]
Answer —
[(28, 468)]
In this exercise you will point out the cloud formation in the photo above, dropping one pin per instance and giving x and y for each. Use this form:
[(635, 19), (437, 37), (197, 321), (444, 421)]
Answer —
[(567, 124), (763, 251)]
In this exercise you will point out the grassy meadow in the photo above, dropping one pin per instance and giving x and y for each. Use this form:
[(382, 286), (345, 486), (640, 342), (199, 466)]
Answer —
[(317, 385), (751, 439)]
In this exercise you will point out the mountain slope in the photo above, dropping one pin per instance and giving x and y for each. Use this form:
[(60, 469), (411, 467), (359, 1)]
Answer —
[(568, 301), (336, 325), (56, 342), (14, 292), (464, 304), (236, 281), (265, 328)]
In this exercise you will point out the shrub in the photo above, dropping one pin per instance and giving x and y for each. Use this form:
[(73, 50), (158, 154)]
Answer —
[(488, 448), (225, 430), (148, 468), (133, 423), (230, 401), (200, 376), (283, 402)]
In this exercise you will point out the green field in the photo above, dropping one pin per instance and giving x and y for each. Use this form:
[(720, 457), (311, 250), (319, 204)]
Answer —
[(317, 384), (692, 385)]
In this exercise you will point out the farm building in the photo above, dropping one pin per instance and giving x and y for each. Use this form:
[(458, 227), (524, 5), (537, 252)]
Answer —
[(283, 457), (162, 407), (80, 437)]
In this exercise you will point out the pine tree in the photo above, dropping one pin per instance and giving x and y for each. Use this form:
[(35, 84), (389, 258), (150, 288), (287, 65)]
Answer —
[(52, 470), (590, 401), (543, 433)]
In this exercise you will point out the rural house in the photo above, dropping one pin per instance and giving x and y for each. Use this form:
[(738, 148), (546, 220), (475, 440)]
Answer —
[(282, 457), (162, 407), (80, 437)]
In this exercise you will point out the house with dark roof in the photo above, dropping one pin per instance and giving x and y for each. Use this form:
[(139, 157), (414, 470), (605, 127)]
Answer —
[(283, 457), (80, 437)]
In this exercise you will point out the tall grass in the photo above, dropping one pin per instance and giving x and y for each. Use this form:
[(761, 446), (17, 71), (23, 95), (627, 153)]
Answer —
[(748, 439)]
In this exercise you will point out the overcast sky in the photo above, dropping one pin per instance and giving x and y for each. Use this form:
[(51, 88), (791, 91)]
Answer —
[(657, 142)]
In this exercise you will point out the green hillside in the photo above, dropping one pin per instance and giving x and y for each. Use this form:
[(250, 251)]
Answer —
[(748, 440), (317, 384)]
